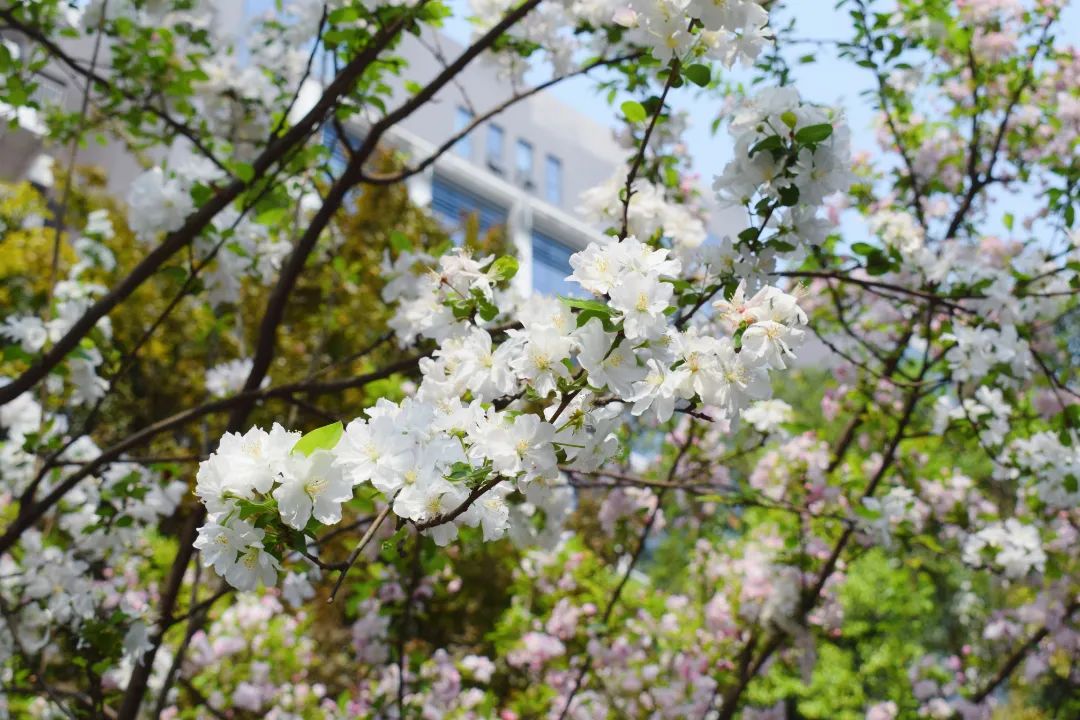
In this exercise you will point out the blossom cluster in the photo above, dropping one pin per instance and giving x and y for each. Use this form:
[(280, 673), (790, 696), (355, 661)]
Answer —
[(789, 157), (650, 213), (451, 455), (731, 31), (1017, 548), (160, 201), (46, 587), (1049, 468)]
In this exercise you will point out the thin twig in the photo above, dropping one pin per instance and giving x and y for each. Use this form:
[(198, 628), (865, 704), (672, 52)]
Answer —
[(375, 524)]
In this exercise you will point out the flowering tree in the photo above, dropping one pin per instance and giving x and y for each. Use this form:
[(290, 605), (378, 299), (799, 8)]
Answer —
[(266, 382)]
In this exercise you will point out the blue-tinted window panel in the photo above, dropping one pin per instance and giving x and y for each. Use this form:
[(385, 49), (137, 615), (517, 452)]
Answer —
[(338, 157), (551, 266), (524, 163), (452, 205), (462, 119), (495, 147), (553, 180)]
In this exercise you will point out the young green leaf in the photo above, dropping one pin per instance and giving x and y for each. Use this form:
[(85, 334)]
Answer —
[(698, 74), (504, 268), (324, 438), (814, 133), (634, 111), (400, 242), (592, 305)]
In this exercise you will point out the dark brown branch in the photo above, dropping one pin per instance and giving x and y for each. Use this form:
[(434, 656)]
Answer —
[(271, 321), (140, 674), (364, 540), (1018, 656), (976, 183), (863, 282), (639, 157), (890, 121)]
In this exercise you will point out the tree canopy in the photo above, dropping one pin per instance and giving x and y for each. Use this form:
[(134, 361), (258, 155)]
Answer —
[(277, 442)]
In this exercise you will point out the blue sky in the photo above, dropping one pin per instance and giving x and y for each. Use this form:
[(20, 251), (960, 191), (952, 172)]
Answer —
[(829, 81)]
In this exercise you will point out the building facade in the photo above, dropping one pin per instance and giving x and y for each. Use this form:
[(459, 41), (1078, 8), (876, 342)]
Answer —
[(523, 169)]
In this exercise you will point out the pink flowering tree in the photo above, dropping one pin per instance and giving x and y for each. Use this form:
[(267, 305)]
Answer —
[(823, 466)]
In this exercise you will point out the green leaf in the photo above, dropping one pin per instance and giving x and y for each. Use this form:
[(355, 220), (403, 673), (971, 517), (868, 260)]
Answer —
[(698, 74), (750, 234), (865, 512), (324, 438), (589, 309), (487, 310), (711, 498), (15, 352), (773, 142), (789, 196), (814, 133), (504, 268), (389, 545), (931, 543), (249, 508), (461, 307), (592, 305), (442, 248), (1070, 483), (877, 263), (200, 194), (400, 241), (790, 119), (861, 248), (272, 216), (344, 15), (175, 273), (244, 172), (634, 111)]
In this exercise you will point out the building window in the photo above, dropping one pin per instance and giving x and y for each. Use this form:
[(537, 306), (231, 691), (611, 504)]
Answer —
[(454, 206), (50, 91), (553, 180), (525, 163), (495, 148), (462, 120), (551, 266), (339, 157)]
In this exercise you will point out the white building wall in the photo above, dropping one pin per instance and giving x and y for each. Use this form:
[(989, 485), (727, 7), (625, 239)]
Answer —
[(586, 149)]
